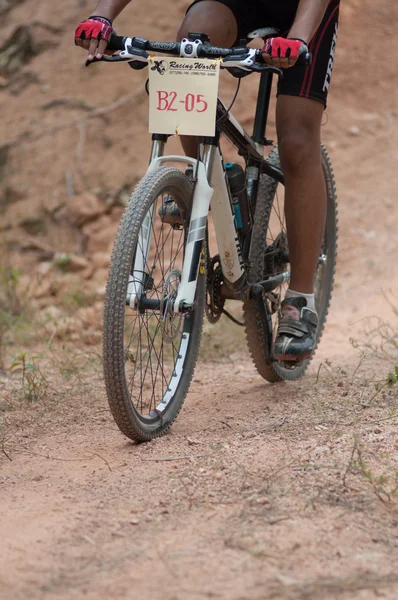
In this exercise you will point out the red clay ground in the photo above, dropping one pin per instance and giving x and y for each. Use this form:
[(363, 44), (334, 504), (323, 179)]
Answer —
[(259, 491)]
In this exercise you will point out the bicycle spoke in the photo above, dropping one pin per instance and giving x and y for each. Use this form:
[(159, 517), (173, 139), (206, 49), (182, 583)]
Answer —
[(148, 348), (151, 347), (152, 340)]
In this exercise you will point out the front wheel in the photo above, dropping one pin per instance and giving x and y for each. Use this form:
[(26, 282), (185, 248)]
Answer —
[(149, 350), (269, 256)]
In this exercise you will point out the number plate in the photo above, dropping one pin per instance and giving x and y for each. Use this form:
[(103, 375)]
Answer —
[(183, 95)]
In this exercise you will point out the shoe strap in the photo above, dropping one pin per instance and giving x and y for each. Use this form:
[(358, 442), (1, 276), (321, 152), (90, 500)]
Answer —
[(298, 328), (293, 328)]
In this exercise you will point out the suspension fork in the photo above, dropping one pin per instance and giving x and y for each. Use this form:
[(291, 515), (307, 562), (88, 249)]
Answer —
[(195, 236), (137, 275), (197, 227)]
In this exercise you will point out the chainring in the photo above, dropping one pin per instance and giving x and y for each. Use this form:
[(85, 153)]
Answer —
[(215, 303)]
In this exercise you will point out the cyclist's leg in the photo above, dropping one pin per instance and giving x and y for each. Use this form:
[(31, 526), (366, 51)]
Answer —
[(218, 21), (302, 95), (213, 17), (298, 128), (301, 101)]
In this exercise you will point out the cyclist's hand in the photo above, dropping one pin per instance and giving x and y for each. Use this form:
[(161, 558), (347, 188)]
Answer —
[(94, 35), (283, 53)]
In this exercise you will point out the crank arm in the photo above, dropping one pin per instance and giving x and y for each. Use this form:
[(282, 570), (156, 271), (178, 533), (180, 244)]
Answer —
[(268, 285)]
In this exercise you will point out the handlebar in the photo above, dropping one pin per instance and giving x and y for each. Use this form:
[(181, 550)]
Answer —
[(135, 51), (118, 42)]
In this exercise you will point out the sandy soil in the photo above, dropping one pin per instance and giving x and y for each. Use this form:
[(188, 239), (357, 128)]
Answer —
[(259, 491)]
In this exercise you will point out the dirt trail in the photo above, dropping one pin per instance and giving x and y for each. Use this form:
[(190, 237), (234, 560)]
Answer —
[(259, 491)]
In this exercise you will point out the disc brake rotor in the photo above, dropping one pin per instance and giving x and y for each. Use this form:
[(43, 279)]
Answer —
[(170, 322)]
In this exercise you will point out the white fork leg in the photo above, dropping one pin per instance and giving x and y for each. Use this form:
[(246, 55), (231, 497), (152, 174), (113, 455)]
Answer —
[(196, 235), (137, 277), (224, 225)]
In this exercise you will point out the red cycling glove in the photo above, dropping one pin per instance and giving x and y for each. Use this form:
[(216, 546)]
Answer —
[(97, 28), (279, 47)]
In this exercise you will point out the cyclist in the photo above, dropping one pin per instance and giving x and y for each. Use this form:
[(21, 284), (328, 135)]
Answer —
[(301, 101)]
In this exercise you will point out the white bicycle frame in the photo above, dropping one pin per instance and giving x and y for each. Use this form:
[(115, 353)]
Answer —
[(211, 188), (210, 169), (211, 185)]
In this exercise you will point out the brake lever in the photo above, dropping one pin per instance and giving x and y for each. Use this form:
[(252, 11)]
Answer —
[(261, 68), (110, 59)]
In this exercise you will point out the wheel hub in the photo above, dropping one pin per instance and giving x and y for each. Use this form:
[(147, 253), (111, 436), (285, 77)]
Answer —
[(275, 256)]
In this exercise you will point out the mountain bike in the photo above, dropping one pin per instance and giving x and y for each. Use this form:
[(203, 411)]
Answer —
[(163, 280)]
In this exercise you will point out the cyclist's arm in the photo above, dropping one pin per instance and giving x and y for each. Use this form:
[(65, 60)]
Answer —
[(284, 53), (94, 33), (308, 18), (110, 9)]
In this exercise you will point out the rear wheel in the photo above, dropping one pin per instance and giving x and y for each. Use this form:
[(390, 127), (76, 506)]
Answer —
[(269, 256), (149, 350)]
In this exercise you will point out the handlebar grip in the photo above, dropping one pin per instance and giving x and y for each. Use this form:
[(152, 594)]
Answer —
[(116, 42), (304, 60)]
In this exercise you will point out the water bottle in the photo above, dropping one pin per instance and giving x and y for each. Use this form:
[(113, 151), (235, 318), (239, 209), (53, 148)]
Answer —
[(252, 174), (237, 185)]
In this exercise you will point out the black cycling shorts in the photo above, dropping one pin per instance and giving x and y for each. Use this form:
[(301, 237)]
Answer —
[(311, 82)]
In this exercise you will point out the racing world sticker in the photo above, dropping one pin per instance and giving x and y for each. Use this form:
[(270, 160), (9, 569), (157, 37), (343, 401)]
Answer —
[(183, 95)]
